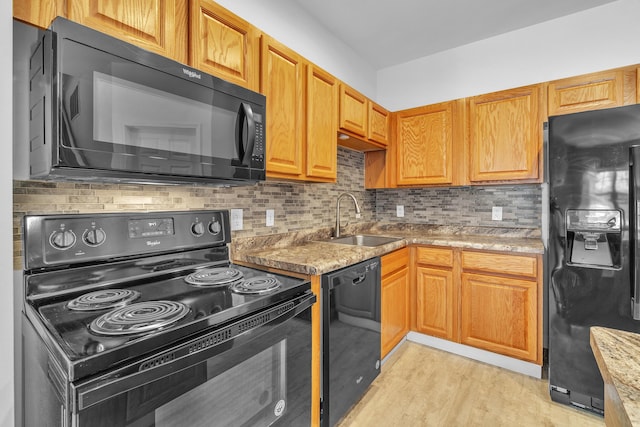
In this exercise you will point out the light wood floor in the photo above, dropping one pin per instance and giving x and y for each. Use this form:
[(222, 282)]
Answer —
[(421, 386)]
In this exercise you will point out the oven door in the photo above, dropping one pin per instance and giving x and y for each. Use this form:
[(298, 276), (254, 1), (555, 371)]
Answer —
[(148, 116), (253, 372)]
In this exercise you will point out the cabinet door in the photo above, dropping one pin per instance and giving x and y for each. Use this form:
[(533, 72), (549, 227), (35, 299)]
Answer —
[(436, 306), (505, 140), (353, 111), (281, 81), (38, 12), (587, 92), (638, 85), (500, 314), (321, 119), (394, 309), (424, 144), (223, 44), (156, 25), (379, 119)]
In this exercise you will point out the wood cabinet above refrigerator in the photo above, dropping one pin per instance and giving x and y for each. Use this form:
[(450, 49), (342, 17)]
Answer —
[(505, 136)]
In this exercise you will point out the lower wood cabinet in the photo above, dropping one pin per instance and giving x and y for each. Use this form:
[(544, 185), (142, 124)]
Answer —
[(488, 300), (501, 303), (500, 314), (436, 293), (394, 307)]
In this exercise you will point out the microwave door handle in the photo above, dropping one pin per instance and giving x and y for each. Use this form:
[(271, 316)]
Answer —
[(245, 153)]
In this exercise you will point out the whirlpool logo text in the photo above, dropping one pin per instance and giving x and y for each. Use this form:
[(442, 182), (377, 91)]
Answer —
[(191, 73)]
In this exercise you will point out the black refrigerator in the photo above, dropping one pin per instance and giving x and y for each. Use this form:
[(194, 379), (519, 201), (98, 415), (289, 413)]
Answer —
[(594, 243)]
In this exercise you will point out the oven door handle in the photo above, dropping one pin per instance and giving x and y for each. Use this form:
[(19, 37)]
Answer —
[(188, 354)]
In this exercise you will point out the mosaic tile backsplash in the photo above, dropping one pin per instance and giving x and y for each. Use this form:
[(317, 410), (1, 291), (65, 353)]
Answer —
[(468, 206), (297, 206)]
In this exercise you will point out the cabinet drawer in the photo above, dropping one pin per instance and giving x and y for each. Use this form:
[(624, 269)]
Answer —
[(520, 265), (394, 261), (434, 256)]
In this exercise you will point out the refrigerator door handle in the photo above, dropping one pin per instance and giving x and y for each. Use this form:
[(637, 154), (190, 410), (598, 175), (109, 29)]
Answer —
[(634, 223)]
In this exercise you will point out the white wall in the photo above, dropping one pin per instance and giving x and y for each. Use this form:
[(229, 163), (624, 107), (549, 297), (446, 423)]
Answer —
[(288, 23), (6, 221), (596, 39)]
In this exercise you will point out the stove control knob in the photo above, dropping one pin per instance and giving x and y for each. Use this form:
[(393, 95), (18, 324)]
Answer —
[(94, 237), (215, 227), (63, 239), (197, 228)]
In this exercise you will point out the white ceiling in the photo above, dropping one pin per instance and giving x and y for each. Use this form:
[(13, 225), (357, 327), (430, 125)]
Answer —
[(388, 33)]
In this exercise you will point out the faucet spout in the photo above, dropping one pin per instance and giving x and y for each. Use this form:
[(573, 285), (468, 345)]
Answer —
[(355, 202)]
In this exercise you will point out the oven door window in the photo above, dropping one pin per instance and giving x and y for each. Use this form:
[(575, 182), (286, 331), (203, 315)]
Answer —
[(254, 392), (114, 112), (266, 381)]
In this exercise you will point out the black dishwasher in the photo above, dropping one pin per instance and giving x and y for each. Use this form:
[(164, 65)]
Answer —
[(350, 336)]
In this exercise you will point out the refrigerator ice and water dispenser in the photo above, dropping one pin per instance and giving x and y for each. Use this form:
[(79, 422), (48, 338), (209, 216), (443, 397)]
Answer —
[(594, 238)]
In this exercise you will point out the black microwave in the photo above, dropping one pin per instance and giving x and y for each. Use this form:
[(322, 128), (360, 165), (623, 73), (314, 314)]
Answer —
[(103, 109)]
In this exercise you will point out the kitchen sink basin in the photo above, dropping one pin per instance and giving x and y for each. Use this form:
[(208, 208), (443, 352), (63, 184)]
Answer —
[(364, 240)]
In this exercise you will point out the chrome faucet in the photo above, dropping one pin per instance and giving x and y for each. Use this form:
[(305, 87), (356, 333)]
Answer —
[(337, 232)]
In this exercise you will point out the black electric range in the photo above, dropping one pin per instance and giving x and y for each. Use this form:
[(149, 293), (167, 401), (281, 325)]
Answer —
[(104, 289)]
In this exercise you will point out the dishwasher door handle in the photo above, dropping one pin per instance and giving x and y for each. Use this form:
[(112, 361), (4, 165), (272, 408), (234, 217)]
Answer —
[(359, 279)]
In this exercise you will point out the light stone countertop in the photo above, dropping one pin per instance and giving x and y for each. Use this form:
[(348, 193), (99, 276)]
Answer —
[(308, 252), (618, 356)]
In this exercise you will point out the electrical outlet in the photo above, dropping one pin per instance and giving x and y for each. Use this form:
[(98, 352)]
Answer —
[(236, 219), (496, 213), (270, 218), (399, 211)]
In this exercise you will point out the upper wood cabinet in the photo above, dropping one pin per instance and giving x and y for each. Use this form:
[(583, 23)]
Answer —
[(379, 120), (638, 85), (426, 142), (282, 82), (364, 119), (156, 25), (353, 111), (505, 136), (321, 125), (301, 115), (612, 88), (223, 44), (395, 309), (38, 12)]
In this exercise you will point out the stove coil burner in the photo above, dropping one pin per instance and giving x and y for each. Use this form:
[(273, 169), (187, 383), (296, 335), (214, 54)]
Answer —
[(214, 276), (105, 298), (256, 285), (139, 318)]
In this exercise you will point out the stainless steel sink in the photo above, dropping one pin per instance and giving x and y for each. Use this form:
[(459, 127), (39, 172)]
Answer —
[(364, 240)]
